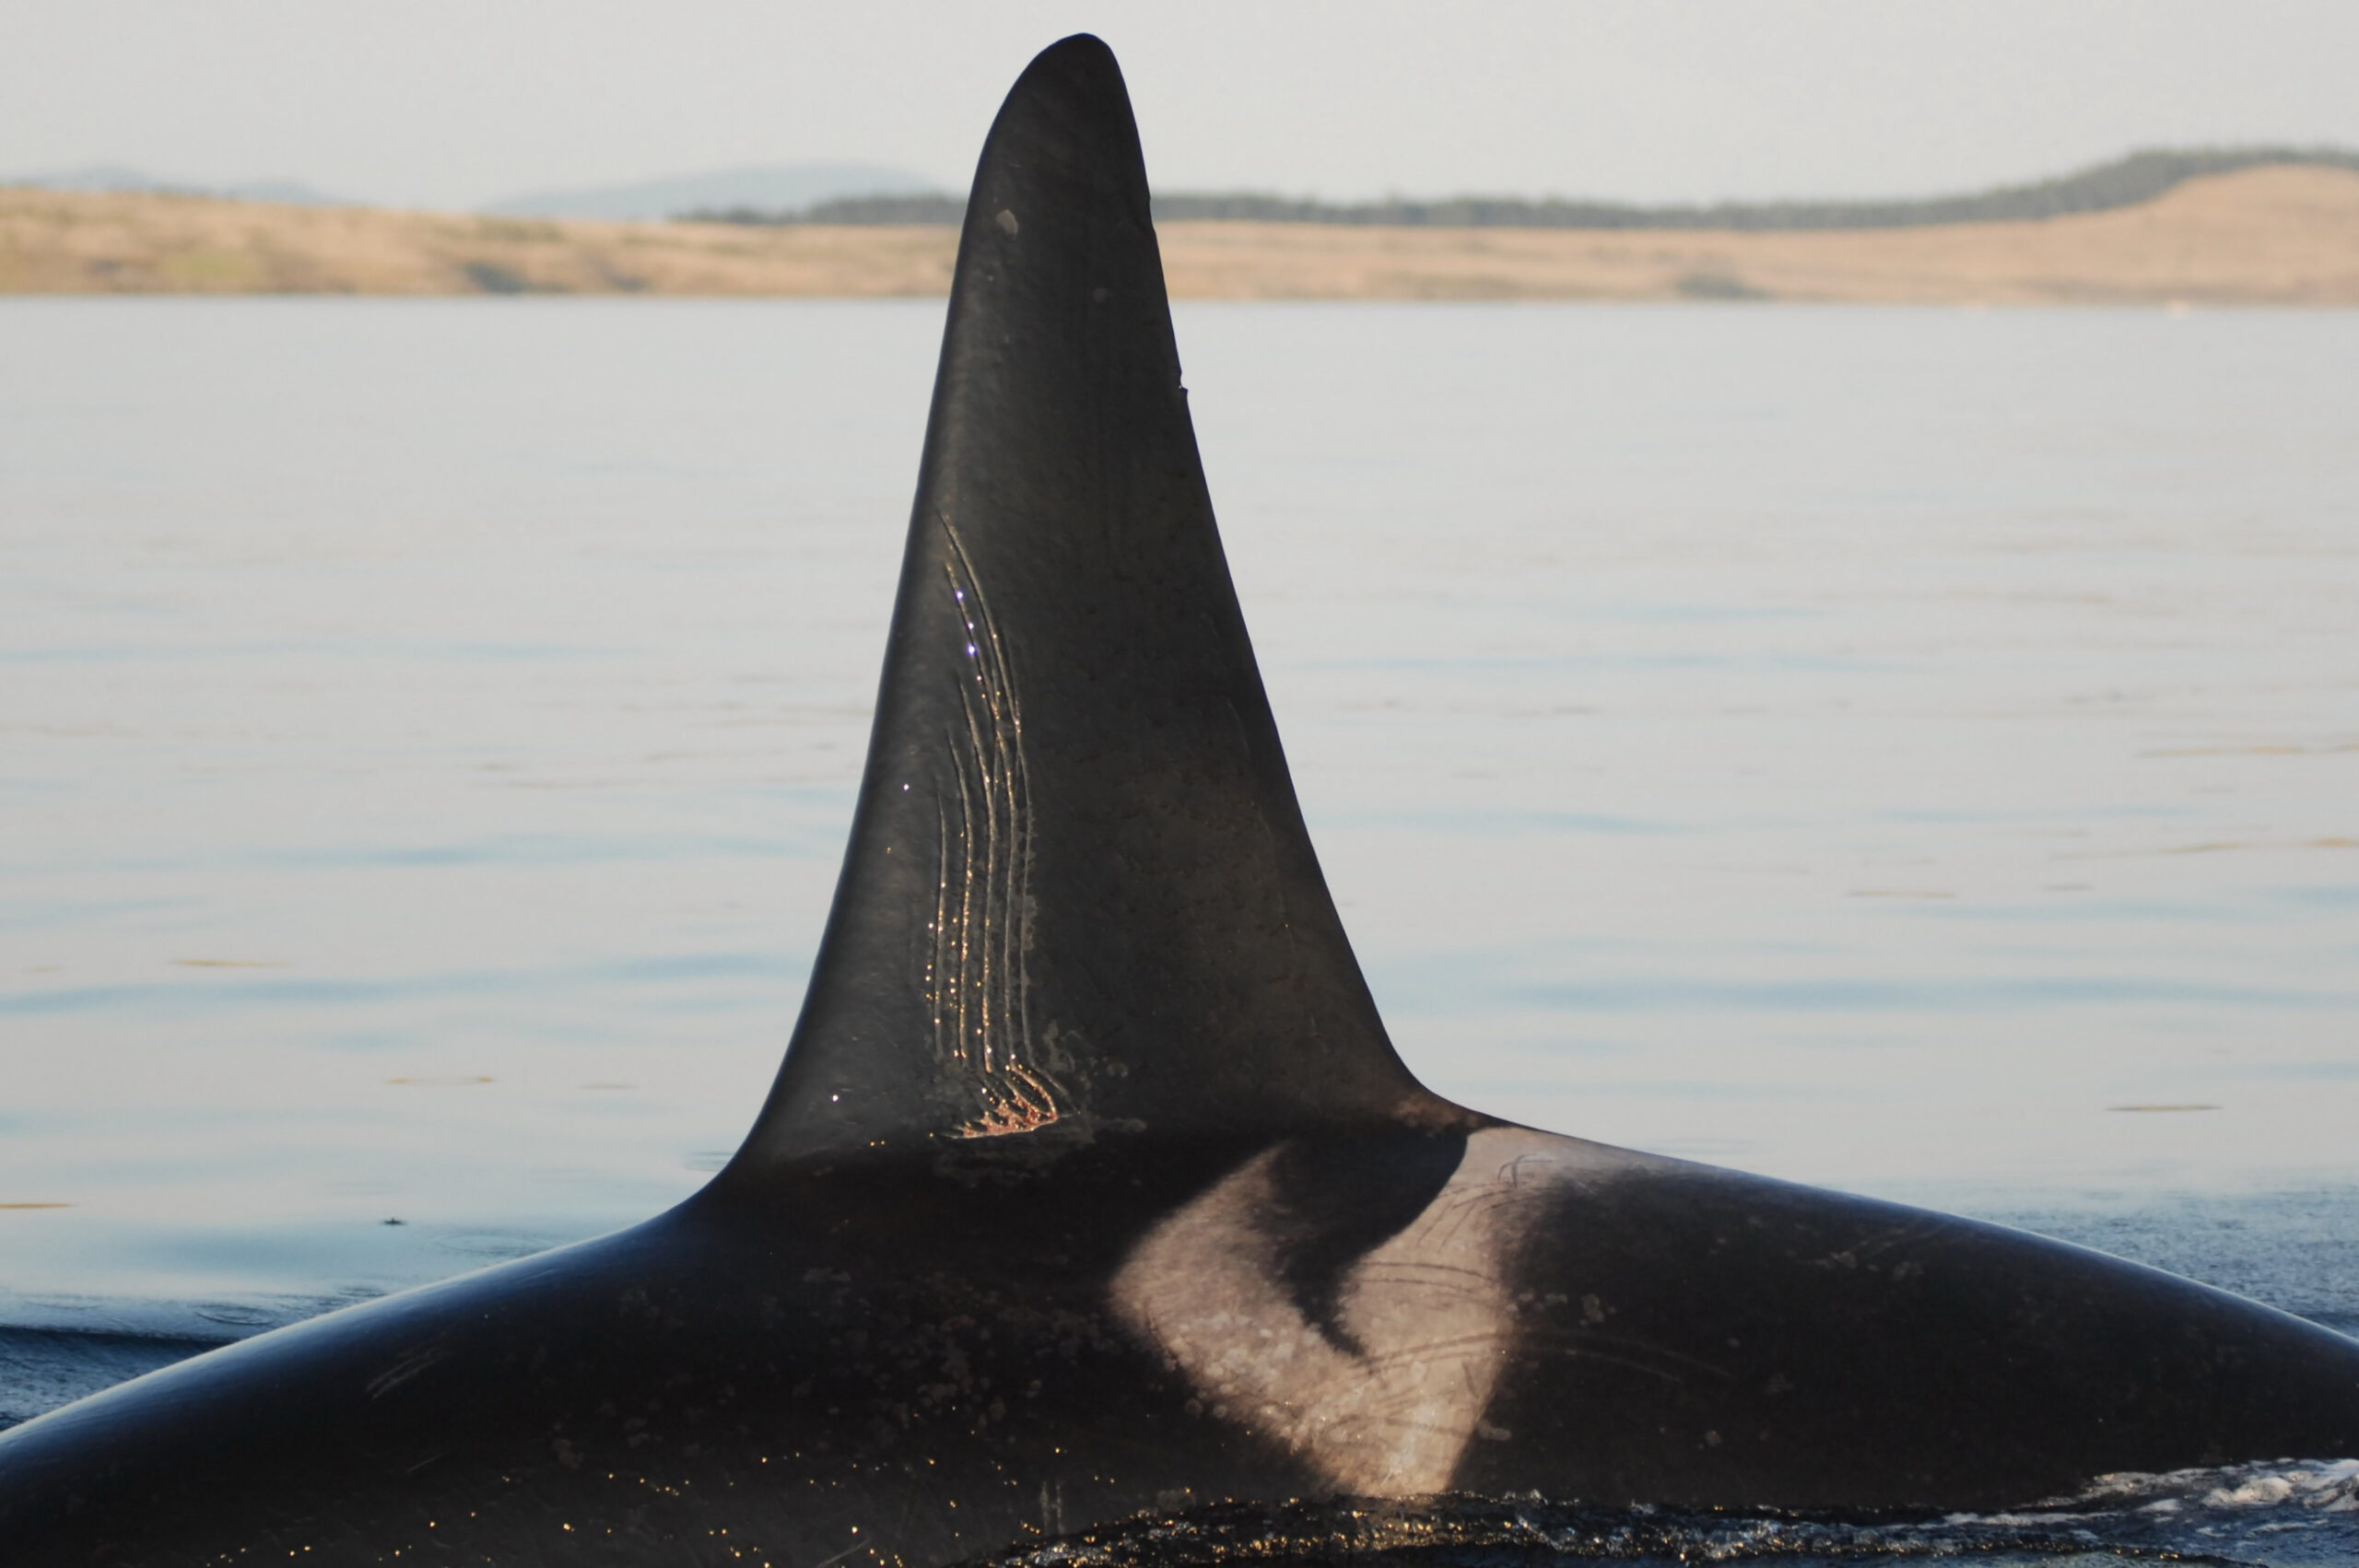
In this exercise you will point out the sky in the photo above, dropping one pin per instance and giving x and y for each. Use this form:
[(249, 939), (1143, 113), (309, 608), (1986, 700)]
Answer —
[(459, 102)]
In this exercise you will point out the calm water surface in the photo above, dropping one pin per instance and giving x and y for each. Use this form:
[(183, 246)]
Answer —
[(1914, 751)]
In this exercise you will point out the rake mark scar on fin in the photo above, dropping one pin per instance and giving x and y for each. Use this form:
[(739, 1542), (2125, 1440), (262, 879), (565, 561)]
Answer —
[(978, 988)]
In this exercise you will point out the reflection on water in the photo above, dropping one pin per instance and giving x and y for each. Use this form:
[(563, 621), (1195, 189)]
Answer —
[(2290, 1514), (1873, 747)]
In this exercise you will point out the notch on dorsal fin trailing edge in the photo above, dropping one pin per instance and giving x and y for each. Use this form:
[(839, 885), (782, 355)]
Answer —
[(1079, 894)]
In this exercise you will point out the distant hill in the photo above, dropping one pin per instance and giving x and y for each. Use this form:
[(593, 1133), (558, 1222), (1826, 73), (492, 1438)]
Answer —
[(118, 177), (2126, 181), (775, 188), (2282, 235)]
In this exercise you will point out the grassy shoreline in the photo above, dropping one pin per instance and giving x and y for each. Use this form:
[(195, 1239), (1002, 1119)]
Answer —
[(2277, 235)]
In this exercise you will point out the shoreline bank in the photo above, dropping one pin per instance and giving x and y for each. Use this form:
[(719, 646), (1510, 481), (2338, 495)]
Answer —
[(2279, 235)]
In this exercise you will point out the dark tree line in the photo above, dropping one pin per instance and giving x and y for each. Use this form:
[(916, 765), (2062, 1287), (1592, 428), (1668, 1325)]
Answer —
[(2140, 177)]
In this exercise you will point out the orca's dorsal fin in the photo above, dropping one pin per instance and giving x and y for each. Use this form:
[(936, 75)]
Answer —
[(1079, 894)]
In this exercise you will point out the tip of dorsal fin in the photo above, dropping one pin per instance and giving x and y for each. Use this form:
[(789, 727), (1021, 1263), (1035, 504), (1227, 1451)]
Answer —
[(1079, 894)]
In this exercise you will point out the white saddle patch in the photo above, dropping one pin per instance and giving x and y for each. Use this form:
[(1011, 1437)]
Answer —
[(1432, 1310)]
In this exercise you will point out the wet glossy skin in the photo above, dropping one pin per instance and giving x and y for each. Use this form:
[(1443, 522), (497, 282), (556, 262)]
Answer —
[(1091, 1184), (956, 1354)]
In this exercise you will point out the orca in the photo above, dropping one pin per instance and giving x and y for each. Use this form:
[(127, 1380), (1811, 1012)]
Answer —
[(1091, 1187)]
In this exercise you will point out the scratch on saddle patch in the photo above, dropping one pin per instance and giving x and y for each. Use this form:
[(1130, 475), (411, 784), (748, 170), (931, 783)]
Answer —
[(1430, 1310), (407, 1367)]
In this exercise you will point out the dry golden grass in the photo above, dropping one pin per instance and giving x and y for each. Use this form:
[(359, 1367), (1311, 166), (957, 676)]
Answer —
[(2265, 236), (61, 242), (2284, 235)]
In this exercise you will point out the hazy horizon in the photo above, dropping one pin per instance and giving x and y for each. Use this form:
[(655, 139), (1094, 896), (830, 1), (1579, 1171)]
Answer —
[(1674, 100)]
